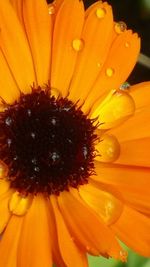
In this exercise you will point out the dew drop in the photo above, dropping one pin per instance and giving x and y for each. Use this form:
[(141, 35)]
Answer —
[(108, 148), (125, 86), (100, 12), (51, 9), (110, 72), (77, 44), (120, 27)]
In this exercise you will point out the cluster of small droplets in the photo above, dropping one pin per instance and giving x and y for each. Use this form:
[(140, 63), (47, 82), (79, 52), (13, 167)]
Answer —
[(47, 143)]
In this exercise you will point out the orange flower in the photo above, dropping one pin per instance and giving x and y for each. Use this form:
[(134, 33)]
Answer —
[(75, 139)]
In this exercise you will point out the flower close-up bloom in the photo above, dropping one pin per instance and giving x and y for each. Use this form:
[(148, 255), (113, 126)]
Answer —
[(74, 136)]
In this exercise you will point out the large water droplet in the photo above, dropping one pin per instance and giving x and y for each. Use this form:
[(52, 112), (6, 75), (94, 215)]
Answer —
[(107, 206), (115, 109), (108, 148), (19, 204)]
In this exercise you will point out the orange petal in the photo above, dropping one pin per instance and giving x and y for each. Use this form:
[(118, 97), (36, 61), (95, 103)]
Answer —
[(117, 66), (9, 91), (96, 35), (9, 242), (141, 94), (17, 5), (15, 47), (135, 152), (132, 182), (4, 210), (133, 229), (80, 220), (38, 28), (107, 206), (4, 186), (57, 258), (72, 256), (136, 127), (35, 244), (70, 16)]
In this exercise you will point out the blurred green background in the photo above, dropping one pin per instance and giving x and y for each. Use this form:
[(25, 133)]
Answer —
[(134, 260)]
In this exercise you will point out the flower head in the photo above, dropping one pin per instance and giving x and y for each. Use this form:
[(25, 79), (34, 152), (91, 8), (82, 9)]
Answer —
[(74, 137)]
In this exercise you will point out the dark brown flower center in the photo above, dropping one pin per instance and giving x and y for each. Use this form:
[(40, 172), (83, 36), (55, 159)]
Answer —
[(47, 143)]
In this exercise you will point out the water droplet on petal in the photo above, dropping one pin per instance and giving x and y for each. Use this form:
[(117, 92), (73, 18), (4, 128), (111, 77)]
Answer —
[(51, 9), (100, 12), (115, 109), (105, 204), (125, 86), (19, 204), (108, 148), (77, 44), (110, 72), (120, 27), (111, 212)]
